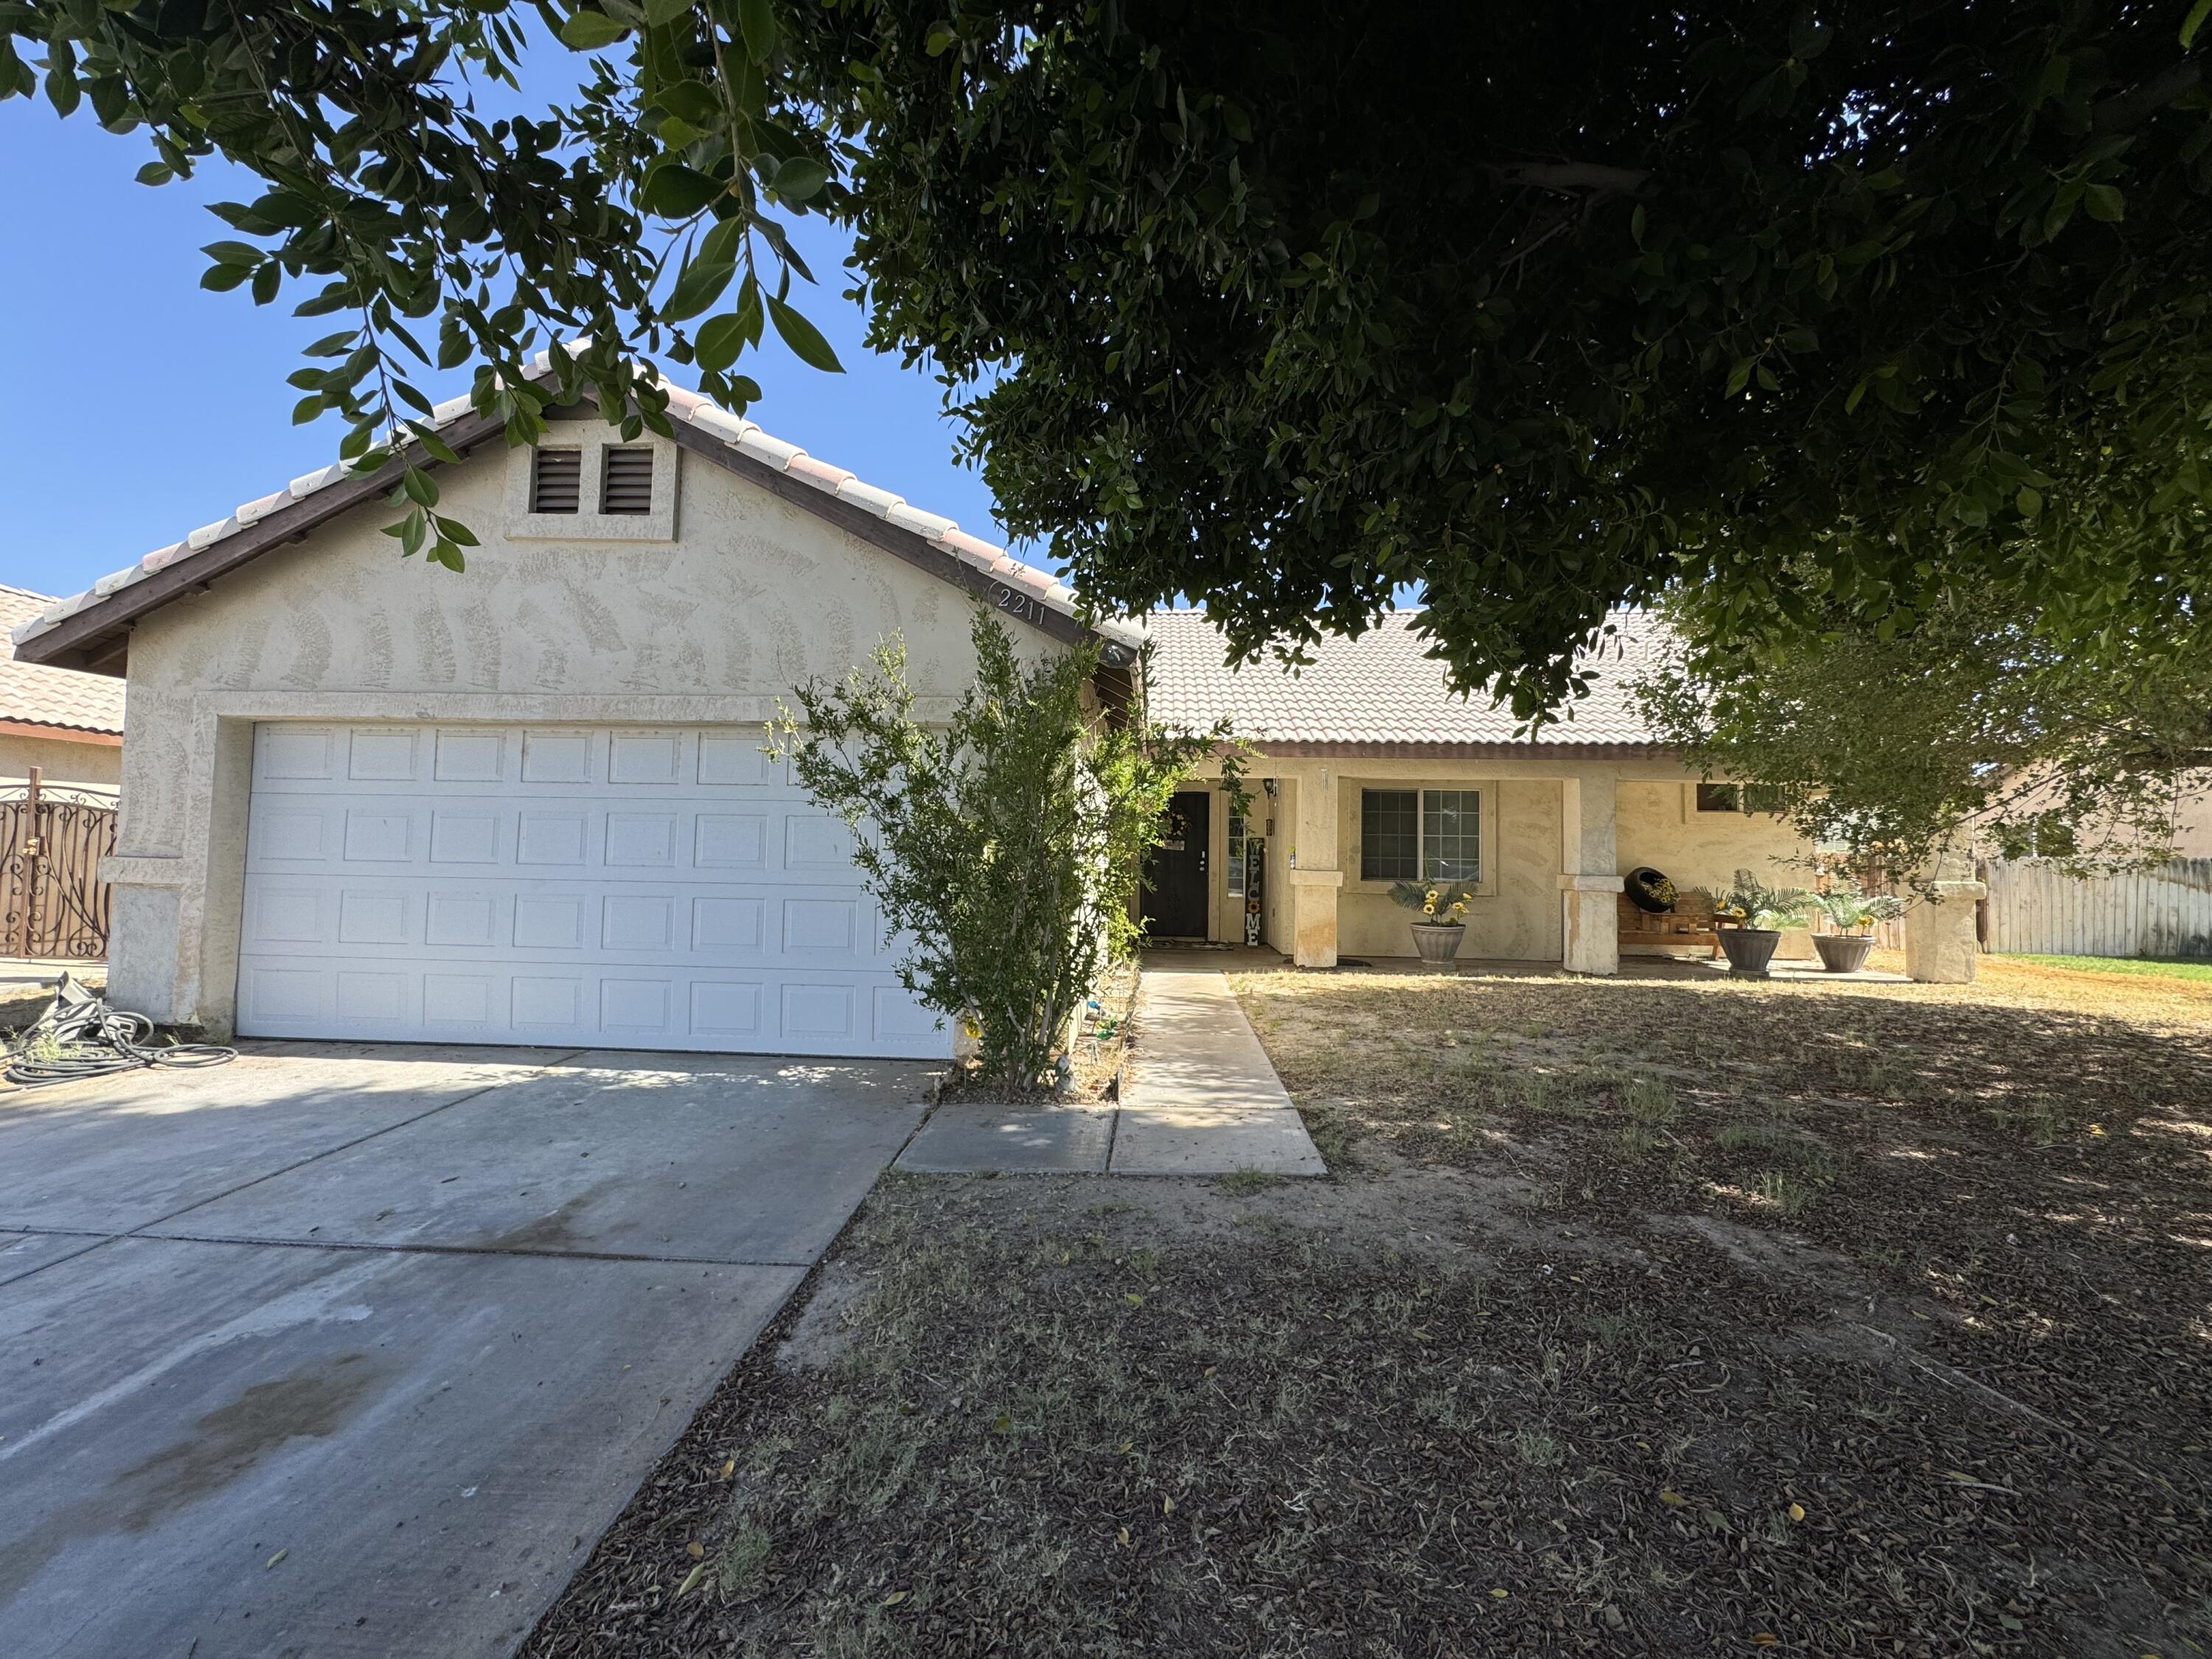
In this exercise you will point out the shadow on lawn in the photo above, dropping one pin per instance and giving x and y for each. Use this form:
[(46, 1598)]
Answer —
[(2041, 1180)]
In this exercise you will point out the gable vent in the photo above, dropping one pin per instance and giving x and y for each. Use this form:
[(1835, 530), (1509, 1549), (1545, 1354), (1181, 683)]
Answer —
[(626, 481), (556, 481)]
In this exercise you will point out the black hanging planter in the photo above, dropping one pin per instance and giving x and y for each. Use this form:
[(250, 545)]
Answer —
[(1749, 950)]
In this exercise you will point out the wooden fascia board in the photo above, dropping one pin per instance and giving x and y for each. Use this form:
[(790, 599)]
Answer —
[(73, 641)]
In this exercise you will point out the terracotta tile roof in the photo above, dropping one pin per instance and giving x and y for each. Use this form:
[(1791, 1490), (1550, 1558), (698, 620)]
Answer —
[(59, 697), (740, 434), (1379, 691)]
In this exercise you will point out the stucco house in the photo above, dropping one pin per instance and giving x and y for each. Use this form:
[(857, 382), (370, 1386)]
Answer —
[(68, 725), (366, 799), (1368, 771)]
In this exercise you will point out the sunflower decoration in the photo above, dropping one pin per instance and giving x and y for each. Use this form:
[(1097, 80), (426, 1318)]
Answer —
[(1441, 904)]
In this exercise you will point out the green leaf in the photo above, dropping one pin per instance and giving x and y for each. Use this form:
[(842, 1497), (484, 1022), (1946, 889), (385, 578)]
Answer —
[(434, 445), (719, 341), (156, 173), (2029, 502), (307, 410), (756, 23), (940, 40), (700, 285), (457, 533), (2104, 202), (420, 486), (587, 31), (691, 100), (805, 339), (800, 178), (676, 191), (63, 90), (220, 279), (661, 12), (2194, 22), (232, 253)]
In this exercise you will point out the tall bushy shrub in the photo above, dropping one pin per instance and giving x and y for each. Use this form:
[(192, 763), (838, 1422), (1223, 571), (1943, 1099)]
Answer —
[(1003, 847)]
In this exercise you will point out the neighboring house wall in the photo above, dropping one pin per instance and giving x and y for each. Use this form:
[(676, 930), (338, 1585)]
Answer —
[(98, 765), (2193, 827), (752, 595)]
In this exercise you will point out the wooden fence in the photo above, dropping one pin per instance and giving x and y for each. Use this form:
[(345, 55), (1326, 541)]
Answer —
[(2164, 910)]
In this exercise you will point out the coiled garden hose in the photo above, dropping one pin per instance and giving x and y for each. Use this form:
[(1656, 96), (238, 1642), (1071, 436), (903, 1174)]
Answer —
[(80, 1036)]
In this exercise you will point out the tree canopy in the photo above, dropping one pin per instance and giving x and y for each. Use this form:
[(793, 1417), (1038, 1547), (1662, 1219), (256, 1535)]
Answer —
[(1971, 731), (1812, 318)]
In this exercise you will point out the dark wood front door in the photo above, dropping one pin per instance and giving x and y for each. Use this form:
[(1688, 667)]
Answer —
[(1174, 897)]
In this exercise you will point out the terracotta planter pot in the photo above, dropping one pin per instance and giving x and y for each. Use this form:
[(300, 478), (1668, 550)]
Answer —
[(1749, 950), (1843, 953), (1438, 942)]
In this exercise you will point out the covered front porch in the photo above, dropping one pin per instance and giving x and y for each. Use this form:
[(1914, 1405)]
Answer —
[(1540, 843)]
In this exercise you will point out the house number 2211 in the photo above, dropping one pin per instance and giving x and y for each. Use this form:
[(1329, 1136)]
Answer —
[(1014, 603)]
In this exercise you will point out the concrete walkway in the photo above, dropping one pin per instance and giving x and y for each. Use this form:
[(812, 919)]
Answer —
[(1200, 1099)]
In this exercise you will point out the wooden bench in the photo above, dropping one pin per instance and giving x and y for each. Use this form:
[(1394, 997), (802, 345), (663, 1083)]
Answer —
[(1690, 923)]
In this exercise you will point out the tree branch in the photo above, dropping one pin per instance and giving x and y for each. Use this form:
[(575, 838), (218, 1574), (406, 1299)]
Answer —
[(2124, 111), (1570, 176)]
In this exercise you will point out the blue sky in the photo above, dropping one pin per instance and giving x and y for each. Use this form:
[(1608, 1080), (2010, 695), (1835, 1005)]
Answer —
[(143, 406)]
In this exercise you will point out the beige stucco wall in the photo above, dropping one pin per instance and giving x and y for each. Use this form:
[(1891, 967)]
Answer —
[(753, 595), (1517, 915), (60, 762), (1661, 826)]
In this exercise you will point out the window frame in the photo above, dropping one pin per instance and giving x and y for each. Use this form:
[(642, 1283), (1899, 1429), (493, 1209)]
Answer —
[(1483, 885), (1237, 833), (1745, 800)]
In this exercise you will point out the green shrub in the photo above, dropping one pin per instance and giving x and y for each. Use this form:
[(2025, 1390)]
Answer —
[(1003, 847)]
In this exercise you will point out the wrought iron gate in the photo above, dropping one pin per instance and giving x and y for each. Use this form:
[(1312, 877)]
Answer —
[(52, 902)]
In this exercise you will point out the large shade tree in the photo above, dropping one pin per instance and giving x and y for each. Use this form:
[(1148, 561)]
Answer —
[(1796, 313)]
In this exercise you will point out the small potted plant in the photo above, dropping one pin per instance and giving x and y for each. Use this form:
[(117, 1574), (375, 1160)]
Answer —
[(1852, 912), (1761, 913), (1441, 923)]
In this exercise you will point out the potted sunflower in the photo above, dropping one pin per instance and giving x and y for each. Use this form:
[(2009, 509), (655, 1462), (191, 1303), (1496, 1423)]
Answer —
[(1441, 923), (1760, 913), (1852, 912)]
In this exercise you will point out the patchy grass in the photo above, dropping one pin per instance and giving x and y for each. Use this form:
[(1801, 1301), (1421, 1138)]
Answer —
[(1642, 1316), (2155, 967)]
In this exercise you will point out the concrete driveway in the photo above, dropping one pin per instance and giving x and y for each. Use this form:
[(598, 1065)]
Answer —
[(355, 1349)]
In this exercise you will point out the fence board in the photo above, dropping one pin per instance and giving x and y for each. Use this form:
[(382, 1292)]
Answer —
[(2161, 910)]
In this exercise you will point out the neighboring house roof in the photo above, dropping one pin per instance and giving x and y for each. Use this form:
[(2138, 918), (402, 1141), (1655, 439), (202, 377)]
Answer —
[(86, 707), (1382, 694), (86, 629)]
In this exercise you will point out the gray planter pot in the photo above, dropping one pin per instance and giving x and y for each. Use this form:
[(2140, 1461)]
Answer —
[(1438, 942), (1749, 950), (1843, 953)]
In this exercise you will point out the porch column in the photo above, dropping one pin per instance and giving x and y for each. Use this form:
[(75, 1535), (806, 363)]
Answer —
[(1315, 875), (1941, 944), (1589, 877)]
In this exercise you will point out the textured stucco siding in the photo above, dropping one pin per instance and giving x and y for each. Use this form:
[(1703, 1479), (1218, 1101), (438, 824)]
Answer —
[(60, 761), (1661, 826), (753, 596)]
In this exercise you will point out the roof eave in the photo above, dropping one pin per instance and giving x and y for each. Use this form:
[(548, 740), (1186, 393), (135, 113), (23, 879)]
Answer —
[(92, 638)]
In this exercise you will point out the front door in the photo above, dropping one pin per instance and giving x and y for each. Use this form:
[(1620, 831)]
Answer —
[(1175, 898)]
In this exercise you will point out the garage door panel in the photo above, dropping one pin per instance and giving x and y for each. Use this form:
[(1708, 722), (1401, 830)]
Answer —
[(648, 888)]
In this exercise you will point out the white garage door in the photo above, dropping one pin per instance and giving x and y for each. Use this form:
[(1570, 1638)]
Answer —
[(648, 889)]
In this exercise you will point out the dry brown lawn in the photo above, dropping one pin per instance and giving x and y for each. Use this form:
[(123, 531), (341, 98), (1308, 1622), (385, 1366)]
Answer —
[(1639, 1317)]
